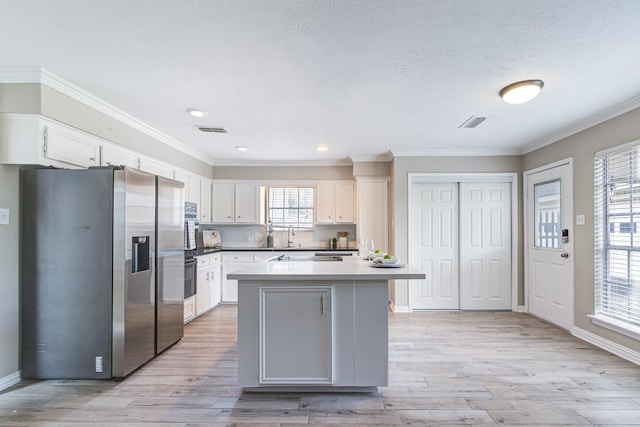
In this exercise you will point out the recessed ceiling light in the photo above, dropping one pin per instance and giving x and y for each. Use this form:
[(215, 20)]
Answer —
[(521, 92), (241, 148), (196, 113), (322, 148)]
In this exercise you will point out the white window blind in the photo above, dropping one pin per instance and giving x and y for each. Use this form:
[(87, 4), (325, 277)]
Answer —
[(617, 234), (290, 206)]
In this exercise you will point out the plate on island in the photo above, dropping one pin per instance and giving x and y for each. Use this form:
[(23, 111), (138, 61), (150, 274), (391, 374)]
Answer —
[(376, 265)]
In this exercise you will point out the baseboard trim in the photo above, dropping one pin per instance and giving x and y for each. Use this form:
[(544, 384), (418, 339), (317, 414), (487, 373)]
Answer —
[(401, 309), (605, 344), (10, 380)]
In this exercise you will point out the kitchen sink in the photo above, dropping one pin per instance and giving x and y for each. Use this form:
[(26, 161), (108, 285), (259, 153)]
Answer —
[(315, 258)]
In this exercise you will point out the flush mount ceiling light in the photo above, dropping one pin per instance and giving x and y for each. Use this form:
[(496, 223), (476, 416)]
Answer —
[(521, 92), (196, 113), (241, 148), (322, 148)]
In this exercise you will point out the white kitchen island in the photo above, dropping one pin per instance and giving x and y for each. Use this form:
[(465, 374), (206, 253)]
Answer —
[(314, 326)]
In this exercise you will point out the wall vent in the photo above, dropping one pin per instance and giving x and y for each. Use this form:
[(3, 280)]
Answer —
[(472, 122), (214, 129)]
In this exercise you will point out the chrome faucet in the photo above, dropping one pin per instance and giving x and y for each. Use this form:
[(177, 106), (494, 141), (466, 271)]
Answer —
[(290, 235)]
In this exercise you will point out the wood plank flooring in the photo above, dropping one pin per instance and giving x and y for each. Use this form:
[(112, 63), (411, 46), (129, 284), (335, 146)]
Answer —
[(446, 368)]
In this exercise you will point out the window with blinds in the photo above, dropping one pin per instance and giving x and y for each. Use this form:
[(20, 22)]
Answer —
[(290, 206), (617, 234)]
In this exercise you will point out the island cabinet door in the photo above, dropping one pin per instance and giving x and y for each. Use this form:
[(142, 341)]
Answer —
[(295, 335)]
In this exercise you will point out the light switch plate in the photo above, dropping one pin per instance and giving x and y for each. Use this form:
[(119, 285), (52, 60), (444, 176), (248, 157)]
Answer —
[(580, 219), (4, 216)]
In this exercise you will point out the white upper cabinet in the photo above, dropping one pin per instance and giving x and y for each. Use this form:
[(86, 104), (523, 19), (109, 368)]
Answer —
[(223, 211), (117, 156), (71, 146), (335, 202), (204, 207), (241, 203), (35, 140), (247, 204)]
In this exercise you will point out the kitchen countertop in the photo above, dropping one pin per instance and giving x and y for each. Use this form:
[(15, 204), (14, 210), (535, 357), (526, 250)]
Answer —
[(351, 268), (295, 249), (248, 249)]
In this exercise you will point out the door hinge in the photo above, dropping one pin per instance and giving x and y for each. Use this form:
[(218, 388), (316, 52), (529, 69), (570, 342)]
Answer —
[(45, 137)]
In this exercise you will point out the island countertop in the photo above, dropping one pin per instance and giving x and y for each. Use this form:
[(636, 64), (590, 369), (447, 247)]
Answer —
[(351, 268)]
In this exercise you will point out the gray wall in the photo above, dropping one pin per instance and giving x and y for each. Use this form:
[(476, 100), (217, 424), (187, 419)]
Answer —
[(402, 166), (9, 274), (65, 109), (372, 169), (282, 172), (20, 98), (582, 147)]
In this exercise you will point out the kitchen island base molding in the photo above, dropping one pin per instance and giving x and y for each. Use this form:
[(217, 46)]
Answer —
[(311, 389), (313, 335)]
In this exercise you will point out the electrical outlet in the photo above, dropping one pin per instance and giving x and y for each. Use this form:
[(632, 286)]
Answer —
[(4, 216), (257, 237), (247, 237), (580, 219)]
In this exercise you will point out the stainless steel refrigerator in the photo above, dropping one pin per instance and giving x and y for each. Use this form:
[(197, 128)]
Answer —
[(169, 263), (88, 252)]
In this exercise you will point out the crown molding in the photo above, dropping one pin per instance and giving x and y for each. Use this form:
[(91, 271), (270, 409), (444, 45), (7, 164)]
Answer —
[(20, 75), (585, 124), (456, 153), (45, 77)]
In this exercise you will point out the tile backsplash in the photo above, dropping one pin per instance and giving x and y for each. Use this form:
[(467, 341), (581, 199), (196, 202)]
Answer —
[(254, 236)]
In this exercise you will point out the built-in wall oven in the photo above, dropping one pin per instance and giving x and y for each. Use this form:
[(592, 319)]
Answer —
[(190, 249), (190, 275)]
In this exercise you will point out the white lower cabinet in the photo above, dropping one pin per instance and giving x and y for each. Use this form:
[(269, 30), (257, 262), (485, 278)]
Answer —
[(189, 309), (203, 294), (298, 352), (215, 280), (208, 283), (233, 262)]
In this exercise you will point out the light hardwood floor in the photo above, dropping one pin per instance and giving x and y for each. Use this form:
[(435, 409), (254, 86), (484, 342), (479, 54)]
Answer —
[(446, 368)]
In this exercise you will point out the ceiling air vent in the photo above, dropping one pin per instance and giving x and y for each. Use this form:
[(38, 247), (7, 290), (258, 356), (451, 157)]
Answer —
[(214, 129), (472, 122)]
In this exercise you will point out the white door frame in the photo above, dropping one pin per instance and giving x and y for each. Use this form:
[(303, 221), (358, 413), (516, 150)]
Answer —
[(527, 233), (423, 177)]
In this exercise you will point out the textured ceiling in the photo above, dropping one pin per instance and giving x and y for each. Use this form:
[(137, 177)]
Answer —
[(361, 77)]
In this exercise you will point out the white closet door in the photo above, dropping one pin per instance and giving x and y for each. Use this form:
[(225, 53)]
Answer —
[(485, 246), (434, 245)]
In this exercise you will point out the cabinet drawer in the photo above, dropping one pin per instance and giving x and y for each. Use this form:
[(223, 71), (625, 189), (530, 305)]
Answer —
[(237, 257), (203, 261)]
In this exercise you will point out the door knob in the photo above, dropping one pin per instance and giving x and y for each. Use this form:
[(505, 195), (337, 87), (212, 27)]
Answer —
[(564, 255)]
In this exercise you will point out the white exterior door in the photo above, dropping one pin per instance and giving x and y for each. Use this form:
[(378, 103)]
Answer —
[(485, 246), (434, 245), (549, 274)]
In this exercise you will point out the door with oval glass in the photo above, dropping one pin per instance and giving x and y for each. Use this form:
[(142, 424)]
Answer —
[(549, 240)]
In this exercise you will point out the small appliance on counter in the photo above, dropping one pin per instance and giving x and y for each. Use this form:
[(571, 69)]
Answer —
[(209, 239)]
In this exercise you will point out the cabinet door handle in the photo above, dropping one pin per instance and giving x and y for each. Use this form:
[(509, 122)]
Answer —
[(321, 305)]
